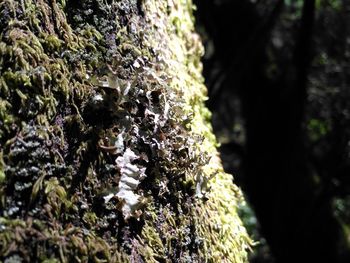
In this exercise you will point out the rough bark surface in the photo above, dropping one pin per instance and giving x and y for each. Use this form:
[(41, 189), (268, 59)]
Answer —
[(106, 151)]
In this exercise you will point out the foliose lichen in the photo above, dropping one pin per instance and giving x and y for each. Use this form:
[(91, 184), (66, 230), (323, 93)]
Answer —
[(106, 151)]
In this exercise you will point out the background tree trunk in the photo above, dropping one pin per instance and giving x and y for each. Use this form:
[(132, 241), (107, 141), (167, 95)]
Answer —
[(106, 152), (261, 73)]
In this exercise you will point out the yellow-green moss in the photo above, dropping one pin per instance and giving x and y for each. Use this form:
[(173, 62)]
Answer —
[(225, 240), (107, 151)]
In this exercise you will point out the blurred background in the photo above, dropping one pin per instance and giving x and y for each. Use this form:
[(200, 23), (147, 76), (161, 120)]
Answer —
[(278, 74)]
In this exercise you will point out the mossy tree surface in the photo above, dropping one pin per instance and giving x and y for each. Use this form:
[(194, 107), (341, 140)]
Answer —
[(106, 152)]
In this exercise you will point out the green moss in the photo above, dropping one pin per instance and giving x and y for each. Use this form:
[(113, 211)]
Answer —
[(107, 151), (90, 218), (2, 169)]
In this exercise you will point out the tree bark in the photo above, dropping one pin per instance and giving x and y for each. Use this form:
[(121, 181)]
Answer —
[(106, 151)]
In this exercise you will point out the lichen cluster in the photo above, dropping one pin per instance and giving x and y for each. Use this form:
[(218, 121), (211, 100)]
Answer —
[(106, 152)]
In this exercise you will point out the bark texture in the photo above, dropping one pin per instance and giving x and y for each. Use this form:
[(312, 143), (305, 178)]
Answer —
[(106, 151)]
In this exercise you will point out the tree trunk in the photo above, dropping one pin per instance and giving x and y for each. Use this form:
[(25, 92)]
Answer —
[(106, 151)]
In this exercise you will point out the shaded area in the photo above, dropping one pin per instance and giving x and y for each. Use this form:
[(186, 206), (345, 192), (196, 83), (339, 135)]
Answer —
[(278, 87)]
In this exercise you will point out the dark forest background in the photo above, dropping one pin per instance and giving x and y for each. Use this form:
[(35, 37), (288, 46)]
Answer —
[(278, 74)]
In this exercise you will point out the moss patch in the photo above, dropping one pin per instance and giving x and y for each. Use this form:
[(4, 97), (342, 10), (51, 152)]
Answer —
[(107, 152)]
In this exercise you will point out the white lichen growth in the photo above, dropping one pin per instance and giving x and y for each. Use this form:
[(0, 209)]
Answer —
[(131, 177)]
